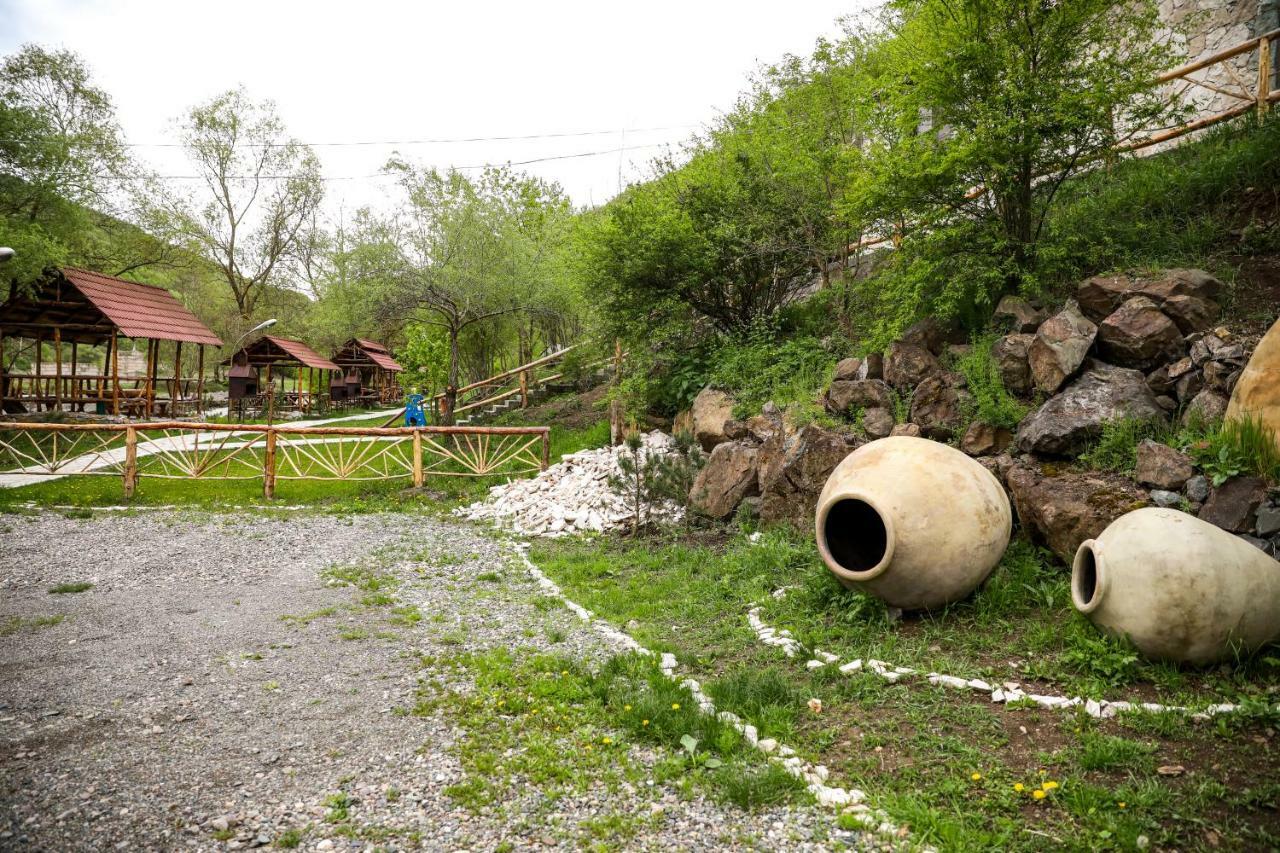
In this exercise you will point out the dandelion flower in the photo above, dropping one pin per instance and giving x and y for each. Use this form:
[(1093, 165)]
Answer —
[(626, 707), (675, 706), (606, 740), (1049, 785), (644, 722), (588, 747), (1121, 804), (1039, 794), (815, 705), (564, 672), (977, 777), (1019, 787)]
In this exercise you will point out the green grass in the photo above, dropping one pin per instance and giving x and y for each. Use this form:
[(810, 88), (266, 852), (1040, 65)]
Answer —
[(915, 747), (66, 588)]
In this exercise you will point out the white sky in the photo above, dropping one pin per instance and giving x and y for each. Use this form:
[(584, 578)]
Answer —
[(380, 70)]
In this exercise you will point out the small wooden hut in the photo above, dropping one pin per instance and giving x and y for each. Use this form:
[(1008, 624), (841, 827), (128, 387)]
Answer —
[(74, 307), (371, 374), (251, 367)]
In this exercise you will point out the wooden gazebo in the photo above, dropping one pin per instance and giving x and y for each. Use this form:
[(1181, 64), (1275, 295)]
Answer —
[(79, 307), (371, 374), (251, 366)]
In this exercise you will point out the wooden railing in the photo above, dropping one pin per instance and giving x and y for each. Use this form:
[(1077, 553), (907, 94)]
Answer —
[(35, 452), (1256, 97)]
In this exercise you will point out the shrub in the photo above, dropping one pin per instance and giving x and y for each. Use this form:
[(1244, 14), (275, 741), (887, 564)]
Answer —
[(1117, 448), (992, 403), (756, 367)]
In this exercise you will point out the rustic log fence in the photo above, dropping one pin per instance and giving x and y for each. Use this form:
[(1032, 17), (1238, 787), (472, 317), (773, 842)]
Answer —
[(170, 450)]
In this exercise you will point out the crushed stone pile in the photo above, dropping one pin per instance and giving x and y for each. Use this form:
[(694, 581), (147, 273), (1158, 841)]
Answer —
[(572, 496)]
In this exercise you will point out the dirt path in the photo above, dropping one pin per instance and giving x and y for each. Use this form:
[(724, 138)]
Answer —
[(211, 691)]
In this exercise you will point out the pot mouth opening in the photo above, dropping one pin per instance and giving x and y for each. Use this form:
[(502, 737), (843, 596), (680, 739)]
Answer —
[(1086, 578), (855, 538)]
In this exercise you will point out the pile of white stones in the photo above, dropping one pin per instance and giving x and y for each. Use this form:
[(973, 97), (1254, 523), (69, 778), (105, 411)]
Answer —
[(572, 496)]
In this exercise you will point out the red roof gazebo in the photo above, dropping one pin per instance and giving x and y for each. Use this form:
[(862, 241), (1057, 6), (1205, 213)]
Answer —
[(270, 351), (76, 306), (371, 371)]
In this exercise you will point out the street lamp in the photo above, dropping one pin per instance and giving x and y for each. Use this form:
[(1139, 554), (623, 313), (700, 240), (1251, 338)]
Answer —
[(265, 324), (6, 254)]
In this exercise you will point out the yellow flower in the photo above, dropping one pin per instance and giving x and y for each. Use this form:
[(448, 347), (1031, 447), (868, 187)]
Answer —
[(977, 777), (588, 747), (564, 672), (606, 740), (501, 702), (644, 722), (1121, 805), (1049, 785), (626, 707), (533, 711), (675, 706), (1019, 787), (1044, 772), (1039, 794)]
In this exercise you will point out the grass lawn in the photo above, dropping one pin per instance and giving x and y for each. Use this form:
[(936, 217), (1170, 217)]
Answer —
[(960, 771)]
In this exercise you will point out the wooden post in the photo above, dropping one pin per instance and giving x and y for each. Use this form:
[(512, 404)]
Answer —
[(115, 372), (177, 379), (200, 381), (75, 386), (1264, 75), (4, 374), (269, 467), (417, 459), (148, 386), (616, 428), (524, 389), (546, 450), (130, 462), (39, 395), (57, 368)]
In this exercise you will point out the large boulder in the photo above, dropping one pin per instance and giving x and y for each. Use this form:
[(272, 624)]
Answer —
[(1138, 334), (1102, 294), (1233, 504), (1067, 423), (1162, 467), (1010, 355), (927, 334), (983, 439), (878, 423), (711, 408), (1257, 391), (1059, 348), (727, 478), (791, 492), (847, 368), (1189, 297), (1205, 408), (938, 406), (864, 394), (1059, 510), (872, 367), (1018, 314), (907, 365)]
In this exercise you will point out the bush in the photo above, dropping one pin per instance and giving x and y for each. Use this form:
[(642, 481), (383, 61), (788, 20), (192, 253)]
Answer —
[(756, 367), (992, 404)]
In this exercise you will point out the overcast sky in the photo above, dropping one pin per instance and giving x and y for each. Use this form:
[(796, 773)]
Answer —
[(381, 71)]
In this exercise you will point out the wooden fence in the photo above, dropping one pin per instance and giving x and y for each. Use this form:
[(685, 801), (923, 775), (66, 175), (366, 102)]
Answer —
[(179, 450)]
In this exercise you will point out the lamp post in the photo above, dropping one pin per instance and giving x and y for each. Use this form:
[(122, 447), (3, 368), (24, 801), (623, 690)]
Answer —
[(265, 324), (6, 254)]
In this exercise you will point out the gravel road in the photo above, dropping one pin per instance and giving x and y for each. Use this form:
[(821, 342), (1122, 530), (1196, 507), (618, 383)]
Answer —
[(210, 691)]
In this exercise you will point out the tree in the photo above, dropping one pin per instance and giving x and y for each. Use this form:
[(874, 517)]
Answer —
[(261, 188), (986, 107), (467, 252)]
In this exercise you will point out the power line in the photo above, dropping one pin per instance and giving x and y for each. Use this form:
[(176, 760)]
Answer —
[(609, 151)]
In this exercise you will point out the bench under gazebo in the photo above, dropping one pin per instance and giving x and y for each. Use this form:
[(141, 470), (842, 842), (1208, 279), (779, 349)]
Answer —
[(250, 375), (73, 308), (371, 375)]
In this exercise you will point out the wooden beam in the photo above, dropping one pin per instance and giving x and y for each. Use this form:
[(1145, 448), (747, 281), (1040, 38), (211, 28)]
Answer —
[(57, 369), (177, 376), (200, 381), (39, 367), (115, 372), (1264, 75)]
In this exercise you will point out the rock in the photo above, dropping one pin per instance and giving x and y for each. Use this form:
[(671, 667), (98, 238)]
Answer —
[(848, 368), (791, 492), (878, 423), (1221, 376), (1257, 392), (711, 408), (1206, 407), (1233, 504), (908, 429), (864, 394), (1068, 422), (982, 439), (1198, 489), (728, 476), (1018, 314), (764, 427), (938, 407), (1268, 521), (1162, 467), (735, 430), (1138, 334), (1100, 295), (1010, 355), (1167, 403), (1188, 386), (907, 365), (1061, 510), (683, 422), (1159, 381), (1059, 348), (1165, 498), (927, 334), (1180, 368), (1189, 297), (872, 367), (1261, 544), (999, 465)]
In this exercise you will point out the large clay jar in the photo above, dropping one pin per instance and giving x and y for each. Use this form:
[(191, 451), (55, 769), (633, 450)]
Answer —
[(913, 521), (1257, 393), (1179, 588)]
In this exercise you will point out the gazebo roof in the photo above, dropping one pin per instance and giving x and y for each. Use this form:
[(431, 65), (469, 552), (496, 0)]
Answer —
[(96, 302), (359, 350), (270, 349)]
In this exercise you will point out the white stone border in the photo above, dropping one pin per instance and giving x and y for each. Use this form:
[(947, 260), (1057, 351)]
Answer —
[(850, 800), (1009, 691)]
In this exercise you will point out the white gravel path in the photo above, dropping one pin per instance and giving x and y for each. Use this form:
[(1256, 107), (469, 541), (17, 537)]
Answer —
[(174, 705)]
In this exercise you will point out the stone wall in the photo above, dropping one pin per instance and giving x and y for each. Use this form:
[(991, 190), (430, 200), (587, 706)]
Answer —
[(1213, 25)]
